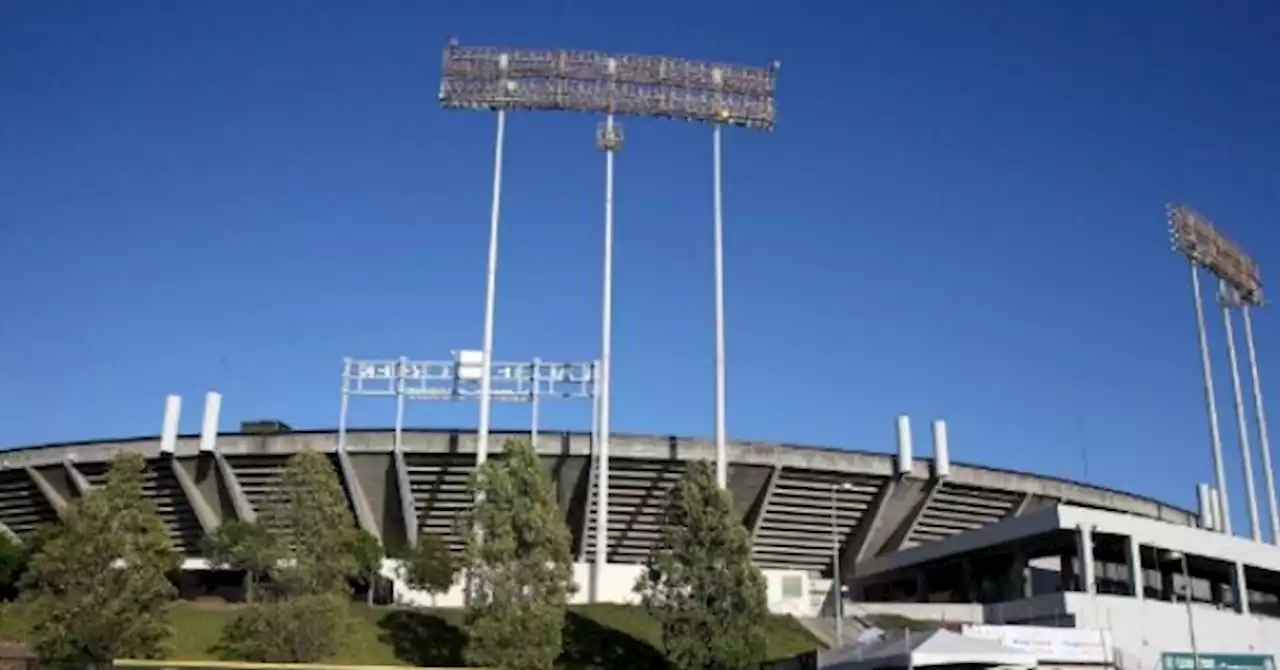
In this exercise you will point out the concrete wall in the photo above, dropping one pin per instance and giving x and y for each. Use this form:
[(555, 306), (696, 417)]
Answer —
[(1143, 629), (618, 587)]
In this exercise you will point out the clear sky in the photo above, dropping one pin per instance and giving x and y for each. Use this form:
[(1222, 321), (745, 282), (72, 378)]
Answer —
[(960, 215)]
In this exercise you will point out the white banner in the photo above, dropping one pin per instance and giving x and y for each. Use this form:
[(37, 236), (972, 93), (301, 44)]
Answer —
[(1062, 645)]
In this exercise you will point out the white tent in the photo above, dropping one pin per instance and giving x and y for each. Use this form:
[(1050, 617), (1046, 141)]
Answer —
[(925, 649)]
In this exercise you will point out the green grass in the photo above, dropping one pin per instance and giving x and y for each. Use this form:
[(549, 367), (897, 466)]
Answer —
[(612, 636)]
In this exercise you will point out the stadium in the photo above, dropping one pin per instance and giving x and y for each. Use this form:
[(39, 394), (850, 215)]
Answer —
[(917, 537)]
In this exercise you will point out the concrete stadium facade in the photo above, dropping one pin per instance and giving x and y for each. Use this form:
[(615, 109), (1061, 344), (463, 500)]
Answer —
[(789, 497)]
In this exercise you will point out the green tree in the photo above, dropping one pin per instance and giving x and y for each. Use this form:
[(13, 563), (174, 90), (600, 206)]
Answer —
[(14, 559), (305, 629), (242, 545), (314, 526), (97, 586), (368, 554), (317, 537), (699, 581), (518, 561), (430, 566)]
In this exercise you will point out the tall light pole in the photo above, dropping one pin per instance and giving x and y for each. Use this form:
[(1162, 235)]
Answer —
[(722, 455), (586, 81), (836, 585), (491, 286), (1203, 245), (1260, 414), (1211, 404), (1227, 297), (609, 140)]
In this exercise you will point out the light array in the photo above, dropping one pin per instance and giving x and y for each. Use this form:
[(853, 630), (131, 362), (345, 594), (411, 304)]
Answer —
[(1198, 240), (590, 81)]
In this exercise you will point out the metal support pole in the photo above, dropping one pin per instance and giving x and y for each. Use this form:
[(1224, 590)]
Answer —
[(1263, 442), (609, 140), (1191, 621), (533, 390), (1227, 297), (491, 286), (342, 412), (398, 442), (722, 456), (1210, 403), (835, 565)]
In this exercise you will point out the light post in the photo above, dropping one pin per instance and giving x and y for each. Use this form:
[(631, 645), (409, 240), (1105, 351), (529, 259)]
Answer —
[(836, 585), (1191, 622), (500, 79)]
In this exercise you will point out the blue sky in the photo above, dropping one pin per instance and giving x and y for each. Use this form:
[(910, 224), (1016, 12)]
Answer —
[(960, 215)]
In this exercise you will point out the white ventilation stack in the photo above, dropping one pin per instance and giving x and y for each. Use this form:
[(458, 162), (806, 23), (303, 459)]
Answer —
[(169, 431), (1204, 506), (209, 427), (904, 445), (1215, 509), (941, 450)]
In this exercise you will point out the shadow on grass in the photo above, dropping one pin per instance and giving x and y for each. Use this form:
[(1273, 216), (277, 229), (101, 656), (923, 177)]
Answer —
[(588, 644), (423, 638)]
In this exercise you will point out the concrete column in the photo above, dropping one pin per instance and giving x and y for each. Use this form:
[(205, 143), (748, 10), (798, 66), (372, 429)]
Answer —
[(1240, 589), (1086, 559), (1067, 572), (1167, 592), (969, 593), (1020, 576), (1136, 577)]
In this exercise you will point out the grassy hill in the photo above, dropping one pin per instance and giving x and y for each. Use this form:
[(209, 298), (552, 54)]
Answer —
[(596, 636)]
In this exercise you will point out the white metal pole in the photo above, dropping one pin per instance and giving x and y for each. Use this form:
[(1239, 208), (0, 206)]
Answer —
[(1242, 428), (1211, 404), (398, 442), (343, 407), (606, 362), (722, 456), (1191, 621), (491, 286), (1261, 414), (533, 378), (835, 565)]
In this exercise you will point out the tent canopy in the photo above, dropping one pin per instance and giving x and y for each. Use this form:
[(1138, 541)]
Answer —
[(926, 649)]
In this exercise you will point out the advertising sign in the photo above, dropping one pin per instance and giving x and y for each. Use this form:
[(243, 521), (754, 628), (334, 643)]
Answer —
[(1187, 661), (1052, 645)]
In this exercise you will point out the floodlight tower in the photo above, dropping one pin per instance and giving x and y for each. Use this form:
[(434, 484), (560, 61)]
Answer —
[(499, 79), (1240, 286)]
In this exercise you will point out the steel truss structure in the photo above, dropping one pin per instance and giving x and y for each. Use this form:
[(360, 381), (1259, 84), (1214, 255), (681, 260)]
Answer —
[(1239, 288), (404, 379), (506, 79)]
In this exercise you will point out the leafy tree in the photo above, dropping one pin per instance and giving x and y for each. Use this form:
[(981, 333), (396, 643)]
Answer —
[(368, 554), (517, 558), (305, 629), (14, 559), (315, 527), (317, 537), (97, 587), (699, 581), (241, 545), (430, 566)]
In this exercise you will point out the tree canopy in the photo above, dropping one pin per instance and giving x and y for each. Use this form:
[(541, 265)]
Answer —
[(518, 561), (98, 585), (316, 529), (700, 583), (430, 566), (242, 545)]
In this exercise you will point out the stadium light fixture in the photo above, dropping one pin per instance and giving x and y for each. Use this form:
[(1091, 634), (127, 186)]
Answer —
[(1240, 286), (496, 78), (503, 79), (1197, 239)]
